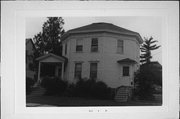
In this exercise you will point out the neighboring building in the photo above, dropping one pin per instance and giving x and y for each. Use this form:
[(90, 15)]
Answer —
[(102, 51), (29, 58)]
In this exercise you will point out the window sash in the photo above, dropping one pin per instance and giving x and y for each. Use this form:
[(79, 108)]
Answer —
[(126, 70), (65, 49), (79, 48), (79, 45), (93, 70), (94, 45), (78, 70), (120, 46)]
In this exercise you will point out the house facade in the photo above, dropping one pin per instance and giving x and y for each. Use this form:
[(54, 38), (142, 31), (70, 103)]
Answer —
[(102, 51)]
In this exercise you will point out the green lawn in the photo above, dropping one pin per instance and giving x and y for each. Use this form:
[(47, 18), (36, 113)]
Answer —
[(77, 101)]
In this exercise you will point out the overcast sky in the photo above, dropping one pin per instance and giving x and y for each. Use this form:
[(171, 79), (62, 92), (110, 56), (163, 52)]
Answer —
[(145, 26)]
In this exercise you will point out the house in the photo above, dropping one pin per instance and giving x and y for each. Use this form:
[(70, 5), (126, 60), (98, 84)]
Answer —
[(29, 58), (101, 51)]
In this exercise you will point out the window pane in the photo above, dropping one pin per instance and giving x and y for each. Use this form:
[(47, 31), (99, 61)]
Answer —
[(79, 45), (126, 71), (120, 46), (93, 70), (78, 70), (65, 49), (79, 48), (94, 45)]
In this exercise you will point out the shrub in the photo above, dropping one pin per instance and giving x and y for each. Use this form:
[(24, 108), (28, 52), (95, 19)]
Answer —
[(101, 91), (89, 88), (54, 86), (144, 81), (29, 83)]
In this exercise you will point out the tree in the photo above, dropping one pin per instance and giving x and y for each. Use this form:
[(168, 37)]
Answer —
[(146, 49), (49, 40)]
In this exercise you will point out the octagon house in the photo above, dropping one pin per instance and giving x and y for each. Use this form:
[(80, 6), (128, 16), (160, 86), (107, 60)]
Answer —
[(102, 51)]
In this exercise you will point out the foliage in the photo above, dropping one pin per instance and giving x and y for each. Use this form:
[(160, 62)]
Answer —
[(29, 83), (144, 80), (54, 86), (89, 88), (146, 49), (49, 40)]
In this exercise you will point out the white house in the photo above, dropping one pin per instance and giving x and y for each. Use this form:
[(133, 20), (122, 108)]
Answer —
[(102, 51)]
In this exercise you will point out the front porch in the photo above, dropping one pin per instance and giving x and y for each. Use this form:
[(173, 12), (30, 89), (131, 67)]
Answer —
[(51, 65)]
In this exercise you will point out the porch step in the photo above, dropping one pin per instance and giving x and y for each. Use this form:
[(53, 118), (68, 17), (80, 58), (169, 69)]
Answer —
[(123, 94)]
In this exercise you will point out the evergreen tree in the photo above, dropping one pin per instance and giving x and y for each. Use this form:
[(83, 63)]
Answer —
[(146, 49), (49, 40)]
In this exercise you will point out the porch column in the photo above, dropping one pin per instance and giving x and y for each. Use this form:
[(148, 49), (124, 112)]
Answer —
[(62, 73), (39, 72)]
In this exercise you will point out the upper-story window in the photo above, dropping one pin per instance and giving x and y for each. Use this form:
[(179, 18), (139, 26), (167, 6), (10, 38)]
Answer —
[(79, 45), (94, 45), (65, 48), (78, 70), (120, 46)]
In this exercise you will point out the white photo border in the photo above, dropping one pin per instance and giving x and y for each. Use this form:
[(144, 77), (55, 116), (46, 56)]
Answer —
[(14, 15)]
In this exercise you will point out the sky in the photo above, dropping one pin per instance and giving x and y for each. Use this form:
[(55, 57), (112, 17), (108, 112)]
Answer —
[(145, 26)]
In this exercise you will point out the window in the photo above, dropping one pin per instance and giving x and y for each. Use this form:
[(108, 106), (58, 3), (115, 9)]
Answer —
[(78, 70), (120, 47), (94, 45), (79, 45), (125, 70), (65, 48), (93, 70)]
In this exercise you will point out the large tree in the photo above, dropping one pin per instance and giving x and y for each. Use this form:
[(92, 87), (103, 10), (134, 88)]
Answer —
[(49, 40), (146, 49)]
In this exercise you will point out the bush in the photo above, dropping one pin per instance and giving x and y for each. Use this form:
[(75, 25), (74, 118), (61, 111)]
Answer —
[(29, 83), (54, 86), (144, 81), (89, 89), (100, 90)]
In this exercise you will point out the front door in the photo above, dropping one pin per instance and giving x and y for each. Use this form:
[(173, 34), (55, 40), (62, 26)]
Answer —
[(126, 74)]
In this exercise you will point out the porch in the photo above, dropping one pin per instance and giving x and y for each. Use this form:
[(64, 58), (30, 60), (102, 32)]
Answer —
[(51, 65)]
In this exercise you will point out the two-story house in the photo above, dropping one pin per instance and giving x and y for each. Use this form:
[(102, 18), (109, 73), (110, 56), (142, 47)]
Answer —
[(102, 51)]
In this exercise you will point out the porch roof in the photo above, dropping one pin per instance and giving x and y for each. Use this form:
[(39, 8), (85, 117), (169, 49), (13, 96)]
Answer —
[(51, 58), (127, 60)]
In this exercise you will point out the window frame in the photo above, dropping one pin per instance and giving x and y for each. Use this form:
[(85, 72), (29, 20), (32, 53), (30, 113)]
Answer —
[(79, 45), (92, 71), (76, 72), (94, 45), (124, 73), (120, 46), (65, 49)]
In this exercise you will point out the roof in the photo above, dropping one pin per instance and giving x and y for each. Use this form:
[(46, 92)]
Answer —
[(62, 58), (127, 60), (102, 27)]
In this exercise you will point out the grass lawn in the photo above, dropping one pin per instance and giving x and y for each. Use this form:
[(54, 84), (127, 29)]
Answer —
[(77, 101)]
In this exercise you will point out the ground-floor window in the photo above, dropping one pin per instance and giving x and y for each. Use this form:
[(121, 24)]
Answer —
[(125, 70), (93, 70), (78, 70)]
